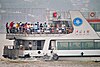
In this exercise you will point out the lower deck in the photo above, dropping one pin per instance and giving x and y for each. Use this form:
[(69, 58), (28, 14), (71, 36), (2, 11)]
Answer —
[(67, 48)]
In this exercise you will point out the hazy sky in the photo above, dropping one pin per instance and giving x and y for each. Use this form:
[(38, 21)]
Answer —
[(53, 4)]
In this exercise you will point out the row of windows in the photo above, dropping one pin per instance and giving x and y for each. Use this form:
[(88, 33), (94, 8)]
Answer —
[(78, 45), (96, 26)]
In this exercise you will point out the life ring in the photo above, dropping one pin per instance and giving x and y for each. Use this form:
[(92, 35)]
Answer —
[(92, 14)]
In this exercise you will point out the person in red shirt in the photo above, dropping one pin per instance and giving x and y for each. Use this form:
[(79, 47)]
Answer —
[(11, 26)]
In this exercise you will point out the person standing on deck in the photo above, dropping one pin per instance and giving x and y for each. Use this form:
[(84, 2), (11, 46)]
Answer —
[(11, 26), (44, 26), (35, 28), (7, 27), (30, 46)]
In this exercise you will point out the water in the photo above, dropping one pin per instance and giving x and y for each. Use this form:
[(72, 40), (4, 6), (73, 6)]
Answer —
[(50, 64)]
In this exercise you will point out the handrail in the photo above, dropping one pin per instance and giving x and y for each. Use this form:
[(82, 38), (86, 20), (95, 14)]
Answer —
[(31, 35)]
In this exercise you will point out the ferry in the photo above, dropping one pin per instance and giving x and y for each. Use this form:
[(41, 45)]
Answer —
[(69, 37)]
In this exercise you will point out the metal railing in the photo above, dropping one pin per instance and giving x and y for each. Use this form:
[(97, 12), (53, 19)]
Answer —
[(33, 35)]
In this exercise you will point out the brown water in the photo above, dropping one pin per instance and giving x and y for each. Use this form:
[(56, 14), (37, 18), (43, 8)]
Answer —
[(6, 63)]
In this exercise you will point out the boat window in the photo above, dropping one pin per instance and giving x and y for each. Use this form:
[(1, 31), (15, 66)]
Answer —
[(40, 44), (19, 44), (52, 45), (75, 46), (87, 45), (97, 45), (78, 45), (29, 44), (96, 26), (62, 46)]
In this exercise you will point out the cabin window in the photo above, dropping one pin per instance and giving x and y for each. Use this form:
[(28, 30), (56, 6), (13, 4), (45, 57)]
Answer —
[(29, 44), (95, 26), (52, 45), (19, 44), (62, 45), (97, 45), (98, 27), (75, 46), (78, 45), (40, 44), (87, 45)]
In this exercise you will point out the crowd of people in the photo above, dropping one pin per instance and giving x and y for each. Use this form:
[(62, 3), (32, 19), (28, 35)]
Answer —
[(36, 27)]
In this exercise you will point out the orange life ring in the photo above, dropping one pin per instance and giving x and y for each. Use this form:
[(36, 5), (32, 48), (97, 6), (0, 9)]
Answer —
[(92, 14)]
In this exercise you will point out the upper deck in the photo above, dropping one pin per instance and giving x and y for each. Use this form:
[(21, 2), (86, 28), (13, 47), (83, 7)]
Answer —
[(57, 27)]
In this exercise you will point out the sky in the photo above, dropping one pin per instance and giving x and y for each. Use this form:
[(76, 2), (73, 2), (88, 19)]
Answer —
[(52, 4)]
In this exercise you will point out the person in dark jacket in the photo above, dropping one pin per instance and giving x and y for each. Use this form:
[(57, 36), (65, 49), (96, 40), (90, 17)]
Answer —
[(7, 27)]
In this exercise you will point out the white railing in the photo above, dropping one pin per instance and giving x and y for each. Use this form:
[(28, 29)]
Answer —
[(34, 35)]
